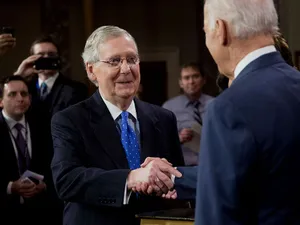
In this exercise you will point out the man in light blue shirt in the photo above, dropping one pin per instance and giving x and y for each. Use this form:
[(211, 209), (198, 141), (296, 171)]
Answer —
[(189, 109)]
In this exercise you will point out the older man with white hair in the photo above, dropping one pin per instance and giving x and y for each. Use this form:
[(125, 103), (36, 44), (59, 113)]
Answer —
[(250, 160), (100, 143), (250, 148)]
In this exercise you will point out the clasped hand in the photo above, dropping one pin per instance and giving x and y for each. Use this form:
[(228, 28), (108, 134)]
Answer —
[(154, 178)]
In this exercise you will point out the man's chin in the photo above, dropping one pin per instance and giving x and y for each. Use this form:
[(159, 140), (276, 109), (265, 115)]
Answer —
[(126, 94)]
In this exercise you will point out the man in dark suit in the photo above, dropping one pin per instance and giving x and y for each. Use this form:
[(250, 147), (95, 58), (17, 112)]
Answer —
[(249, 162), (100, 142), (249, 167), (22, 149)]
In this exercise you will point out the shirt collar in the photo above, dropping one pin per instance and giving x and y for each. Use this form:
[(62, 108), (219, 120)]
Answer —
[(49, 82), (187, 101), (116, 112), (11, 122), (251, 57)]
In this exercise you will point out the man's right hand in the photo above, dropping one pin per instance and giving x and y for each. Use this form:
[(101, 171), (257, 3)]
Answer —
[(156, 174), (185, 135), (24, 188), (26, 67)]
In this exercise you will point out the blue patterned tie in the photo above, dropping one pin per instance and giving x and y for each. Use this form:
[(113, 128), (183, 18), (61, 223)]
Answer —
[(130, 142)]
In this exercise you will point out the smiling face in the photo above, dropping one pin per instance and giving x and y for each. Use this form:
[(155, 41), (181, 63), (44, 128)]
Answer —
[(116, 82), (191, 81)]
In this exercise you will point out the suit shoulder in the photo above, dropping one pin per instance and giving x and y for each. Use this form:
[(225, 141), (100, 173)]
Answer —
[(73, 83), (74, 112)]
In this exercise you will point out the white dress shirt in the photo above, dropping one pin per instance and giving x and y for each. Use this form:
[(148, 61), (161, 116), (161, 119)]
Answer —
[(13, 131), (251, 57), (115, 113), (49, 82)]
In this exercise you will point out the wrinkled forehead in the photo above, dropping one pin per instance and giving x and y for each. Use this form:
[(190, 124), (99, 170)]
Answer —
[(118, 46), (205, 13)]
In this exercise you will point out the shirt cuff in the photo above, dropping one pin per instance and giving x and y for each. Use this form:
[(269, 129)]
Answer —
[(173, 177), (8, 189), (127, 194)]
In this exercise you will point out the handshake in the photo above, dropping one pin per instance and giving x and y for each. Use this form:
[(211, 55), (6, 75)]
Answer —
[(155, 177)]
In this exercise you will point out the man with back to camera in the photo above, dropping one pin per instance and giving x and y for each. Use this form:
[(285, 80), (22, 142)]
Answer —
[(249, 165), (190, 108), (100, 143)]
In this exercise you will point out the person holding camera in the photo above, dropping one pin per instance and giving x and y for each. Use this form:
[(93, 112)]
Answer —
[(51, 91)]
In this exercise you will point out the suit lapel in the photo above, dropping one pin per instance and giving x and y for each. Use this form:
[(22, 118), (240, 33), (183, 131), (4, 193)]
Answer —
[(149, 129), (33, 139), (10, 156), (106, 131), (55, 92)]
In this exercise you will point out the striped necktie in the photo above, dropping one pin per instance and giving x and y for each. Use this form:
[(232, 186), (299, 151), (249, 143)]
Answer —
[(23, 154), (196, 113)]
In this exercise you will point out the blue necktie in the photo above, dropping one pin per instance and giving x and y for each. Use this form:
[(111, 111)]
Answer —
[(130, 142), (43, 91)]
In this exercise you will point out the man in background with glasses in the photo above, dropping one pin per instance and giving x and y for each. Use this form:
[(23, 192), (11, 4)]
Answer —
[(100, 143)]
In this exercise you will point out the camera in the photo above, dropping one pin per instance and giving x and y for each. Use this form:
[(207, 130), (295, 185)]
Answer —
[(50, 63), (7, 30)]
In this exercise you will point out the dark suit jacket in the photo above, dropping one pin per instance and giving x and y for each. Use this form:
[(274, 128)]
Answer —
[(186, 185), (65, 92), (250, 149), (40, 163), (90, 166)]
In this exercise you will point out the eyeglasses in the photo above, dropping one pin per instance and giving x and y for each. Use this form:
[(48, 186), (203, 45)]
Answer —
[(117, 62)]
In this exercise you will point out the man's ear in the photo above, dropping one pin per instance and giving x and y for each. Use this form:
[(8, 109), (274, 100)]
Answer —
[(222, 32), (180, 83), (90, 71), (1, 102)]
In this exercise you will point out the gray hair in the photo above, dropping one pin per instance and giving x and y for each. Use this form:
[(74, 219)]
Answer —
[(100, 36), (246, 18)]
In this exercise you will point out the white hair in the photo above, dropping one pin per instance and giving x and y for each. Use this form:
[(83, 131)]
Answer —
[(102, 34), (246, 18)]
